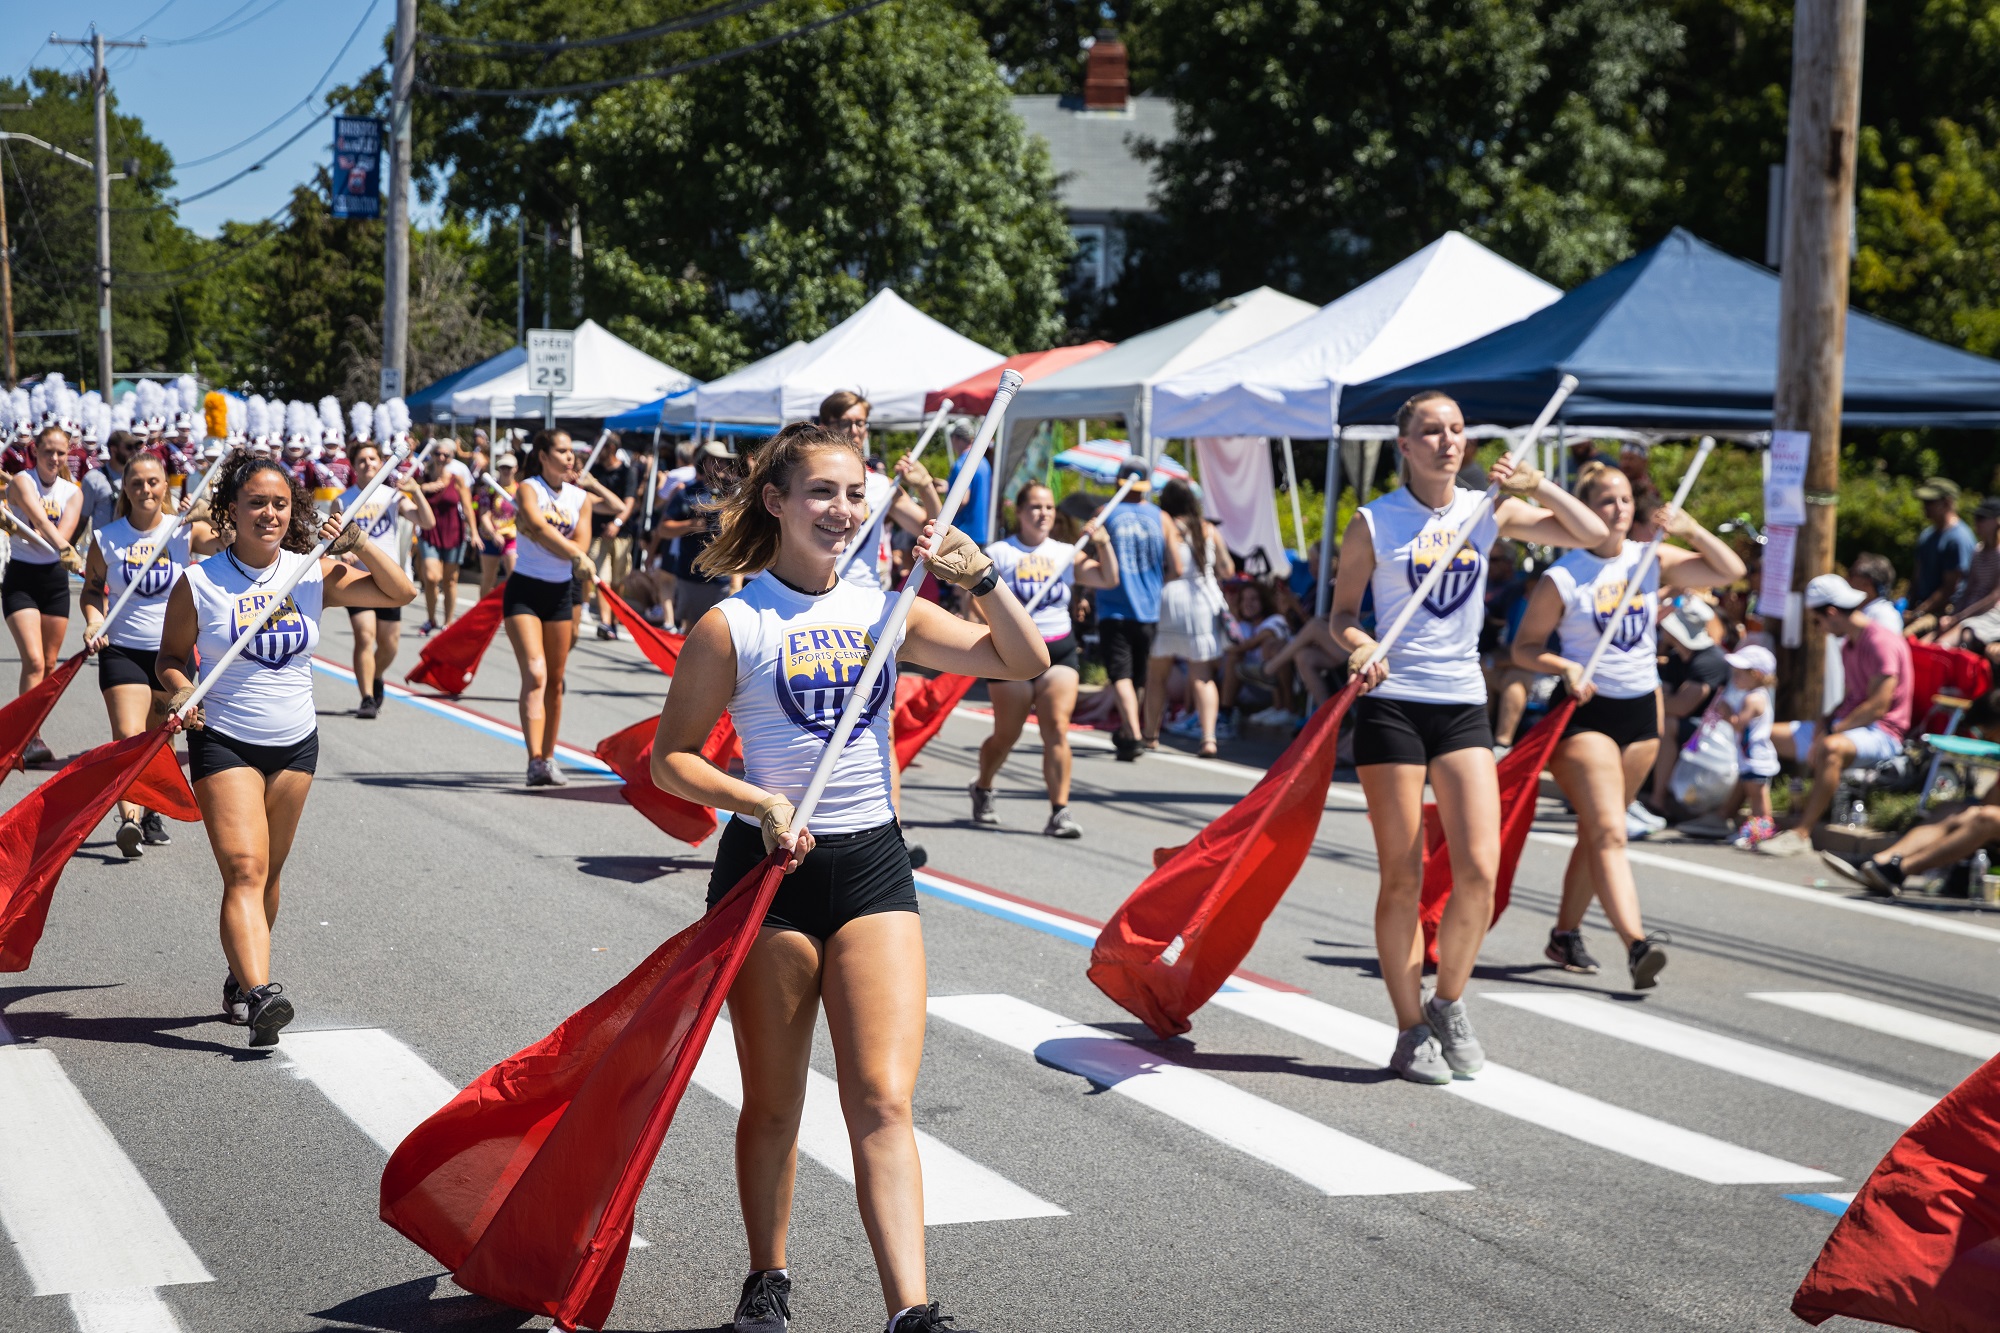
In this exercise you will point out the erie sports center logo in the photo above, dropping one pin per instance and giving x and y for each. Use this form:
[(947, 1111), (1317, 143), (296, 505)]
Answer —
[(283, 637), (142, 566), (1632, 625), (817, 670), (1465, 572)]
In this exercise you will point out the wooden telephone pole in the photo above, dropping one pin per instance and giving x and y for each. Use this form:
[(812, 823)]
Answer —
[(1812, 303)]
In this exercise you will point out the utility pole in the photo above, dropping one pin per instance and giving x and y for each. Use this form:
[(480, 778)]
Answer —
[(100, 85), (1812, 302), (396, 216), (7, 273)]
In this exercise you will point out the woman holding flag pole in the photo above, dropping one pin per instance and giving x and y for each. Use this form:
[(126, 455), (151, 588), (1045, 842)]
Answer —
[(1603, 605), (138, 557), (254, 614), (540, 603), (377, 630), (1422, 716), (794, 658), (46, 506)]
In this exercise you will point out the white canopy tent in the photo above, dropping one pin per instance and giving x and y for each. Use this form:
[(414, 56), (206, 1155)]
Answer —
[(889, 352), (612, 376), (1443, 296)]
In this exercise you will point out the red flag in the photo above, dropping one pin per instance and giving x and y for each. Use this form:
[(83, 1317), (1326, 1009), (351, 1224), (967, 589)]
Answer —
[(1920, 1245), (524, 1184), (1182, 932), (161, 786), (1520, 787), (21, 720), (451, 656), (630, 755), (920, 713), (44, 829), (663, 648)]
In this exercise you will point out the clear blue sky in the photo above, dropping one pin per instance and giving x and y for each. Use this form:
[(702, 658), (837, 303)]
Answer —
[(205, 96)]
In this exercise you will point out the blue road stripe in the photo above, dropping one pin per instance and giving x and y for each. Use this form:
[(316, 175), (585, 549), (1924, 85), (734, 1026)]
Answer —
[(1826, 1203)]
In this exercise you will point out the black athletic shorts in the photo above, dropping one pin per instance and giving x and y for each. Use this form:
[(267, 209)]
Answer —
[(126, 666), (384, 615), (27, 587), (209, 751), (1397, 731), (1625, 721), (844, 876), (1127, 644), (540, 598)]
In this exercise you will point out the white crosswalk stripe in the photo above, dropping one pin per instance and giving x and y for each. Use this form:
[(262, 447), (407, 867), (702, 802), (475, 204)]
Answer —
[(1889, 1020), (956, 1188), (1525, 1097), (83, 1220), (1323, 1157), (1809, 1078)]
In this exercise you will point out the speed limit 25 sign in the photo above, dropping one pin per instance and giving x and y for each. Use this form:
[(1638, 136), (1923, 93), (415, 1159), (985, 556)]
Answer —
[(551, 360)]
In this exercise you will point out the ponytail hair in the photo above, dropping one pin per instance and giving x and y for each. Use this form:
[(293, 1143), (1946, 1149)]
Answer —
[(538, 448), (749, 536), (1177, 499)]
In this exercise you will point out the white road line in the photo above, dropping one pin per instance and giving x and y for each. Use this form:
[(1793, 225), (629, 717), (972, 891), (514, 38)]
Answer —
[(380, 1084), (1808, 1078), (444, 708), (139, 1310), (1887, 1019), (1323, 1157), (956, 1188), (81, 1217), (1931, 920), (1525, 1097)]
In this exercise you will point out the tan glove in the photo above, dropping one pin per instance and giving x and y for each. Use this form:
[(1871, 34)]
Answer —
[(1357, 661), (1523, 481), (71, 558), (349, 540), (580, 563), (775, 814), (175, 704), (958, 559)]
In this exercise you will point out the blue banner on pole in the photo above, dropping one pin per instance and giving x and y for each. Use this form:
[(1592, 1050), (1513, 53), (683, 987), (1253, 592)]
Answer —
[(357, 167)]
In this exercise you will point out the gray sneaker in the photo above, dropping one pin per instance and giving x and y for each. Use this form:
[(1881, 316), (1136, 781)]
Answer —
[(1462, 1050), (538, 773), (1060, 825), (1418, 1058), (557, 778), (982, 805)]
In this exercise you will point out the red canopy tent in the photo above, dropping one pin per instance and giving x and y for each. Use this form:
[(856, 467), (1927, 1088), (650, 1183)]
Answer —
[(974, 396)]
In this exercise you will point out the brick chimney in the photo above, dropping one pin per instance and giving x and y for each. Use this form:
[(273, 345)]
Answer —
[(1106, 84)]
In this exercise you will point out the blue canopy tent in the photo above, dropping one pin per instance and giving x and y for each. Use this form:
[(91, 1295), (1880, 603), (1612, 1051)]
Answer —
[(432, 403), (1684, 336)]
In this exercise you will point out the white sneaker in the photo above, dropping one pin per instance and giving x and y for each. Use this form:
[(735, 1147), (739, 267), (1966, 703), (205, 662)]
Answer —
[(1637, 830), (1791, 842), (557, 778), (1637, 813)]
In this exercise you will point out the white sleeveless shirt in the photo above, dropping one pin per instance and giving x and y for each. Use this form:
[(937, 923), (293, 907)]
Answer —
[(1590, 586), (1437, 658), (378, 521), (1026, 569), (265, 697), (865, 570), (29, 548), (132, 556), (796, 656), (561, 510)]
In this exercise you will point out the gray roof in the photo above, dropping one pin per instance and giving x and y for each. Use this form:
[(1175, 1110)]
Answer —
[(1092, 151)]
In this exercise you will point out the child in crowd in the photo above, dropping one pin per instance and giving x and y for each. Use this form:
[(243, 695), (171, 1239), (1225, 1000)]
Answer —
[(1256, 629), (1745, 704)]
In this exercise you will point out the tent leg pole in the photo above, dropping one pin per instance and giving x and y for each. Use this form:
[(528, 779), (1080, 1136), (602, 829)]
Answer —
[(1292, 486), (1323, 599)]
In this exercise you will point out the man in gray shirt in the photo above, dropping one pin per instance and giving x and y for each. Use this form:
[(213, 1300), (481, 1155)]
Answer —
[(100, 486)]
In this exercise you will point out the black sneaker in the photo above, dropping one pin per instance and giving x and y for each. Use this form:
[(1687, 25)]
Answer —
[(369, 708), (1646, 958), (235, 1006), (924, 1319), (37, 751), (154, 829), (982, 805), (1566, 950), (766, 1304), (1128, 748), (269, 1011), (607, 632), (130, 835)]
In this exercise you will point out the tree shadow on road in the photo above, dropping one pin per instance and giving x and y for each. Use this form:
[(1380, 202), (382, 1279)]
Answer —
[(415, 1307), (637, 869), (123, 1029)]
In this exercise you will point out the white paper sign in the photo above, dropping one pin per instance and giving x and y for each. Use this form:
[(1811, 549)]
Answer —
[(1776, 585), (1785, 488)]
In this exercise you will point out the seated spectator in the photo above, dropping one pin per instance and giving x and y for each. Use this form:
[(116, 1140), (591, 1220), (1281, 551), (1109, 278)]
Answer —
[(1867, 727), (1926, 847), (1944, 551), (1692, 670), (1257, 629), (1974, 619), (1876, 578)]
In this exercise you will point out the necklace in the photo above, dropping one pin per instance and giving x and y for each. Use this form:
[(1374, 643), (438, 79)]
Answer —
[(804, 592), (256, 580)]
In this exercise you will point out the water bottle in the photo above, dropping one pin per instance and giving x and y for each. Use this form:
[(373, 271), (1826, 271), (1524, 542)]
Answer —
[(1857, 812)]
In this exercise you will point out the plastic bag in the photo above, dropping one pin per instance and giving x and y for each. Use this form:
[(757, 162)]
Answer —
[(1708, 767)]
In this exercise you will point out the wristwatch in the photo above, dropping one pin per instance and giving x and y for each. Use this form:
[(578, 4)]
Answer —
[(987, 584)]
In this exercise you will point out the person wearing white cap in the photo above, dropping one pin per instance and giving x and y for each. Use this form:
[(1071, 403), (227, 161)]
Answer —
[(1746, 706), (1867, 727), (1608, 747)]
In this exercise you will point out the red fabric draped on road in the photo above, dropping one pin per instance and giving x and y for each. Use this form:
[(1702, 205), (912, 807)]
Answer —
[(44, 829), (662, 648), (524, 1184), (1919, 1247), (1520, 788), (922, 709), (451, 656), (22, 718), (1210, 898), (630, 755)]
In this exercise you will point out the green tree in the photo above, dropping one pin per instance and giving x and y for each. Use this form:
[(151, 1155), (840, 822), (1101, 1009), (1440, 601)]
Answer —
[(1930, 237), (1039, 44), (319, 290), (1320, 141)]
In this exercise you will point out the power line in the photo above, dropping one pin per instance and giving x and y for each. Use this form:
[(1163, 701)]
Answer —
[(142, 24), (303, 102), (695, 20), (218, 30), (665, 72)]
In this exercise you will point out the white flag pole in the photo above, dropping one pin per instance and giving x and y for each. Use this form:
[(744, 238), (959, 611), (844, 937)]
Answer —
[(1646, 559), (1010, 383), (173, 525), (1096, 522), (211, 673), (874, 520), (1522, 449)]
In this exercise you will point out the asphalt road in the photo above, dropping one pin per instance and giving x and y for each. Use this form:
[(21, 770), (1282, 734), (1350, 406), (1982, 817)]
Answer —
[(1631, 1167)]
